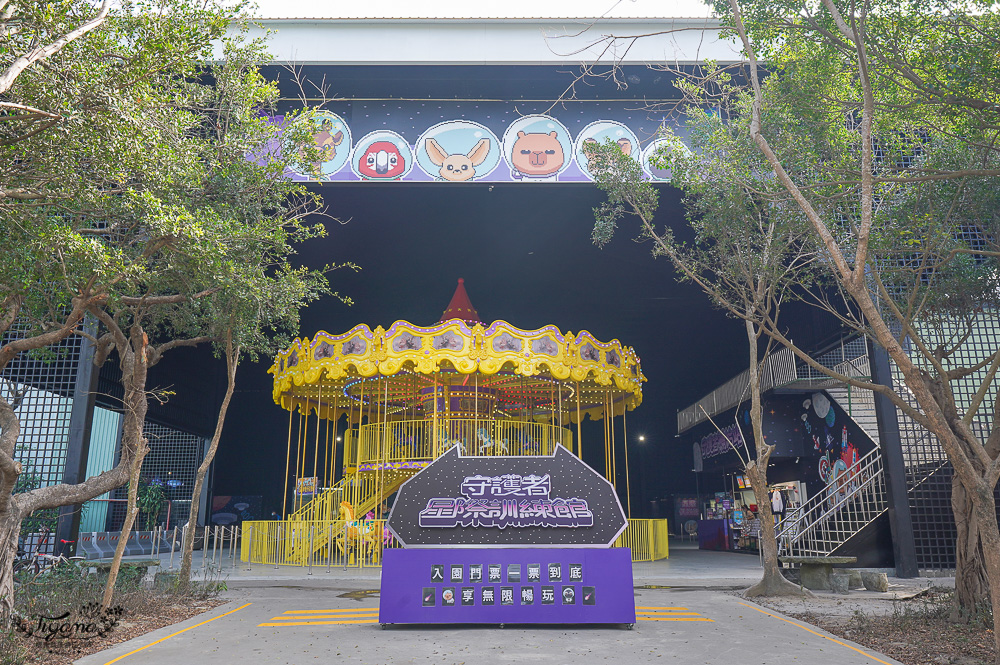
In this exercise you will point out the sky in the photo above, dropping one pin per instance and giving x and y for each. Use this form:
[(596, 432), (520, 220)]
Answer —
[(483, 9)]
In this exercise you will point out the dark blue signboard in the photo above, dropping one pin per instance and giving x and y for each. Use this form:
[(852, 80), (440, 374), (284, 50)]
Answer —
[(592, 585), (531, 501)]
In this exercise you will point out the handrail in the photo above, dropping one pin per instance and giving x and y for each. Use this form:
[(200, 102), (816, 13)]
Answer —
[(819, 527), (396, 443), (780, 369)]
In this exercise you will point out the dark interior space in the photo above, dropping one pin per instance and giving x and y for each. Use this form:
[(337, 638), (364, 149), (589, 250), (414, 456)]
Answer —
[(526, 255)]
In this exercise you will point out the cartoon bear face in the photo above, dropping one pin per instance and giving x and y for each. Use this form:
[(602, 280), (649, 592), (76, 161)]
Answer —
[(537, 154)]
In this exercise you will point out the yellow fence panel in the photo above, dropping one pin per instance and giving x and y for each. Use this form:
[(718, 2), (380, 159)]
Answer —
[(648, 539), (360, 543)]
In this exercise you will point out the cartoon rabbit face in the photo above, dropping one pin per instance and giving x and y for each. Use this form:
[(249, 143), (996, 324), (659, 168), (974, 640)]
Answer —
[(457, 168)]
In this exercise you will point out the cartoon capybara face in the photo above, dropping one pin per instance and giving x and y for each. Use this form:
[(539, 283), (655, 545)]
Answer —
[(537, 154), (382, 160), (457, 167)]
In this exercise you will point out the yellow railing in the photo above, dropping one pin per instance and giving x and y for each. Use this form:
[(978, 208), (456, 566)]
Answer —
[(328, 543), (360, 543), (415, 440), (646, 538)]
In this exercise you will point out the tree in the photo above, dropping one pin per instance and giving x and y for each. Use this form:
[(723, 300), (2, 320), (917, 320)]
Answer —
[(748, 269), (139, 207), (876, 124)]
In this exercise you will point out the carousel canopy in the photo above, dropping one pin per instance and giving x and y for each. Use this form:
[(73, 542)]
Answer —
[(545, 373)]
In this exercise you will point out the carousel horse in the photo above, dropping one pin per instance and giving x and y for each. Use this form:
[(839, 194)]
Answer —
[(487, 443), (359, 536)]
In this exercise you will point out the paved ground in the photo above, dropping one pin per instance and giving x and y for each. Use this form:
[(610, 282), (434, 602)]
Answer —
[(687, 616), (319, 621)]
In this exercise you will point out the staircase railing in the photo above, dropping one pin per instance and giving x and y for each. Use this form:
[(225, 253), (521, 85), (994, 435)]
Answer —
[(827, 520)]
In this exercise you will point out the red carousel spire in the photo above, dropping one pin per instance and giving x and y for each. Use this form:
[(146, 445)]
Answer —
[(460, 307)]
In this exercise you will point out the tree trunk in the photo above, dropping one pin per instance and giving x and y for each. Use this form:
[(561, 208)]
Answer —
[(989, 535), (10, 525), (131, 511), (972, 586), (773, 583), (133, 353), (232, 361)]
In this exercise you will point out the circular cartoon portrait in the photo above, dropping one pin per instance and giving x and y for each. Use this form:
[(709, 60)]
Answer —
[(655, 172), (382, 155), (458, 151), (329, 149), (597, 133), (537, 148)]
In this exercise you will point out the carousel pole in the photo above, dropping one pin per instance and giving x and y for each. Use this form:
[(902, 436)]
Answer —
[(607, 439), (614, 448), (298, 464), (579, 423), (319, 420), (560, 413), (434, 430), (475, 416), (305, 448), (333, 436), (628, 484), (385, 449), (288, 459)]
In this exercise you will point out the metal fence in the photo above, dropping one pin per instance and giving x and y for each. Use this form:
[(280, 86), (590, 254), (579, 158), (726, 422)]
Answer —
[(359, 544), (646, 538)]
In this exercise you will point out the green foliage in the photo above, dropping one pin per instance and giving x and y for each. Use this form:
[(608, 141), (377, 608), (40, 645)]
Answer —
[(150, 501), (142, 186), (40, 520)]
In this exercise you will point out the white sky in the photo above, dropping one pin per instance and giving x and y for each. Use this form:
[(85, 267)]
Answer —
[(482, 9)]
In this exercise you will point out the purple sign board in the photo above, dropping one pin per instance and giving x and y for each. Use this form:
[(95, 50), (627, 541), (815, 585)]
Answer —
[(586, 585)]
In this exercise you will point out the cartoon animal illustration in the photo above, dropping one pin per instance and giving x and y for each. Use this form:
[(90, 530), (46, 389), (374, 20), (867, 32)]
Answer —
[(381, 160), (326, 143), (536, 155), (590, 144), (324, 350), (457, 167)]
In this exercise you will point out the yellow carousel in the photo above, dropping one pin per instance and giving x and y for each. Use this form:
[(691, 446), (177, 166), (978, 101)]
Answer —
[(408, 394)]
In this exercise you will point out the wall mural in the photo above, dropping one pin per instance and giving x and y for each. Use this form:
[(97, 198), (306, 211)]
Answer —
[(838, 443), (460, 142)]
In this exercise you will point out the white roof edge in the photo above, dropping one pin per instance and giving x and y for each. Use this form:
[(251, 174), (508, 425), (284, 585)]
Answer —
[(708, 21)]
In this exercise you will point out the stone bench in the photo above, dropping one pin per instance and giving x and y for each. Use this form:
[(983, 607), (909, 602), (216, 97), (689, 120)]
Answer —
[(816, 572), (133, 570)]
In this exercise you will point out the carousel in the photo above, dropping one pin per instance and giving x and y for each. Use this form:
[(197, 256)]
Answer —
[(409, 393)]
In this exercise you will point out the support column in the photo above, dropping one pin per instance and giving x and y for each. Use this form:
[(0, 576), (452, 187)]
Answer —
[(78, 448), (903, 545)]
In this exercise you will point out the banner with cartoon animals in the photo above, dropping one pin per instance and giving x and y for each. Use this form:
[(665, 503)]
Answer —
[(488, 141)]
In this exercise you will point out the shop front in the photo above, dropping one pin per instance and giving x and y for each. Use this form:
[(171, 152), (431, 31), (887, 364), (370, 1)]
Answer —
[(817, 448)]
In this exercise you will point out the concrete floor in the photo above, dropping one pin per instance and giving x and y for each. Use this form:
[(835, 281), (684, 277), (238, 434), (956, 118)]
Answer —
[(705, 623)]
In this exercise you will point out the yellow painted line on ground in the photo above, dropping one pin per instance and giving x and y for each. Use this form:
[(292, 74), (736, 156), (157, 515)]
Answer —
[(669, 614), (825, 637), (348, 609), (318, 623), (662, 608), (177, 633), (359, 615), (673, 619)]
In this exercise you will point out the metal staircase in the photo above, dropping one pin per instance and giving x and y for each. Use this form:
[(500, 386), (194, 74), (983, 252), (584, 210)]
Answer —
[(320, 523), (829, 519)]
